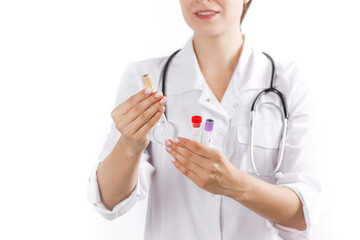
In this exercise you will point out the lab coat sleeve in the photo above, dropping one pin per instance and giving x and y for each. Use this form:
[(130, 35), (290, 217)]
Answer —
[(301, 167), (126, 89)]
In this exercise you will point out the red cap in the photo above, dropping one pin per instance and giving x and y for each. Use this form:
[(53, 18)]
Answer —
[(196, 121)]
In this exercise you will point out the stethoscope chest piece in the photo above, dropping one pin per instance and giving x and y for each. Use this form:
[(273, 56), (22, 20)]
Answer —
[(163, 131)]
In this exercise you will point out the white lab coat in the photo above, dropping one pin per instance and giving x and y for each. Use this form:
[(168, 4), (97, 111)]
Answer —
[(178, 209)]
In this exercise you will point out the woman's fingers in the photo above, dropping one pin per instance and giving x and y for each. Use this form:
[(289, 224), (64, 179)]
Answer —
[(146, 118), (189, 169), (195, 147), (144, 129), (130, 119), (185, 161), (136, 116), (140, 113), (126, 106), (187, 154)]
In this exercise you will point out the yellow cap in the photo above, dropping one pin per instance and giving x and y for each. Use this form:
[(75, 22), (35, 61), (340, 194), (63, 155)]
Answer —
[(147, 80)]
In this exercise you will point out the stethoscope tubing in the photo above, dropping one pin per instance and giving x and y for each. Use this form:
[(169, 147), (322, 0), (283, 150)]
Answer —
[(285, 114)]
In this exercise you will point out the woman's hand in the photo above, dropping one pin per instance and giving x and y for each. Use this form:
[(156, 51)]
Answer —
[(206, 167), (136, 116)]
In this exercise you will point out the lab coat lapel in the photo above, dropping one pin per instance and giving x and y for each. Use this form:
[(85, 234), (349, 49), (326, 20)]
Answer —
[(186, 76)]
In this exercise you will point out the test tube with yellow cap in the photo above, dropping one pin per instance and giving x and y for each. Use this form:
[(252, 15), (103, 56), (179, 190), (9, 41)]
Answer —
[(163, 130)]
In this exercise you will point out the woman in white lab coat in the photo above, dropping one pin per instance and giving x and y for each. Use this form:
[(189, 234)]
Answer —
[(198, 192)]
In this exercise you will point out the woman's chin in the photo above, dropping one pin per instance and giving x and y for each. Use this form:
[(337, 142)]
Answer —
[(209, 32)]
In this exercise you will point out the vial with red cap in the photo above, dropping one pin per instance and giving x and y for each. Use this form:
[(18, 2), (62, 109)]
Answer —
[(196, 128)]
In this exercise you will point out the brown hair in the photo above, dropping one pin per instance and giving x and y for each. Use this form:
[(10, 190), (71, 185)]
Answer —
[(245, 8)]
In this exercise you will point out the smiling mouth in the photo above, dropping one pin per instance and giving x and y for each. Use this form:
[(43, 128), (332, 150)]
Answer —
[(206, 13)]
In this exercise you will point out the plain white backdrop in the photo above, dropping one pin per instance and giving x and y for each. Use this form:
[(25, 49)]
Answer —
[(60, 65)]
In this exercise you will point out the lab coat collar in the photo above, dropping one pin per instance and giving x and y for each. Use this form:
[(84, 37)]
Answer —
[(252, 72)]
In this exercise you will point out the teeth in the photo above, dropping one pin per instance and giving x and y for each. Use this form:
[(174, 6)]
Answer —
[(205, 13)]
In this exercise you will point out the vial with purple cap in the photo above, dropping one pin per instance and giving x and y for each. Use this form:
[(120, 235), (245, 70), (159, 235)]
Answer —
[(209, 125)]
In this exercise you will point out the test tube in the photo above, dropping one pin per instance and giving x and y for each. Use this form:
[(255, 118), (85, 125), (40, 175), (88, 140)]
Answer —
[(209, 125), (196, 130), (148, 83)]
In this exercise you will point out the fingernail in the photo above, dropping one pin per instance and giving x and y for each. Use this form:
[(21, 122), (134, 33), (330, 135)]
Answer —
[(173, 159), (162, 109), (158, 94), (168, 149), (147, 91), (176, 140), (163, 100), (167, 143)]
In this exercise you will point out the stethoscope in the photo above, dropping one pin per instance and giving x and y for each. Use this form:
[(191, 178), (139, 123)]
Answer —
[(284, 114)]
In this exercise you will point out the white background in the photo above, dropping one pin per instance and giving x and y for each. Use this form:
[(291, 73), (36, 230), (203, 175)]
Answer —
[(60, 65)]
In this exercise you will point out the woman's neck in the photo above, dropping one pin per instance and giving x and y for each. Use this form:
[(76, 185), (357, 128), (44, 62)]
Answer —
[(220, 52)]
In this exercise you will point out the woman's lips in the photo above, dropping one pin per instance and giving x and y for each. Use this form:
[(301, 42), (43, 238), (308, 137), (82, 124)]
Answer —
[(206, 14)]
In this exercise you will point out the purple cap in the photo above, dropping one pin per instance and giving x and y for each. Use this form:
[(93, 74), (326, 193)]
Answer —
[(209, 124)]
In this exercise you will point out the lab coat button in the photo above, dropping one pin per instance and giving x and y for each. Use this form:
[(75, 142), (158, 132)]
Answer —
[(208, 99), (236, 105)]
